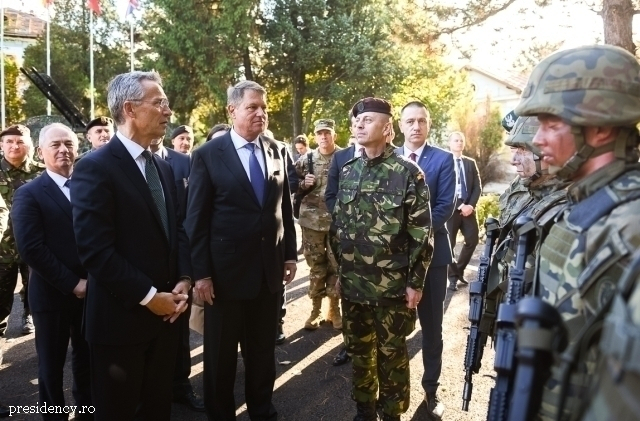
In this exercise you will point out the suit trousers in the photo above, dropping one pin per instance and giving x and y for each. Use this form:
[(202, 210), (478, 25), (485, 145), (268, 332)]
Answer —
[(181, 383), (133, 382), (251, 323), (468, 225), (53, 331), (431, 313)]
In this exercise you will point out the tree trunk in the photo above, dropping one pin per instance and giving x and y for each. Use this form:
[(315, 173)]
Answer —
[(246, 61), (617, 17), (298, 98)]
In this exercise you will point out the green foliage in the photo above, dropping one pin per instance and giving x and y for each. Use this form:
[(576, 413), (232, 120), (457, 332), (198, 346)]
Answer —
[(13, 102), (487, 206), (69, 35)]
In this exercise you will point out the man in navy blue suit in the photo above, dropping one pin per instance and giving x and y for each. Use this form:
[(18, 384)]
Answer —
[(439, 170), (43, 228)]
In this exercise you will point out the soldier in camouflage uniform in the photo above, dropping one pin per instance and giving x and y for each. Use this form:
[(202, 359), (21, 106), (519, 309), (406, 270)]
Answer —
[(99, 132), (383, 242), (4, 222), (315, 220), (614, 394), (587, 100), (16, 168)]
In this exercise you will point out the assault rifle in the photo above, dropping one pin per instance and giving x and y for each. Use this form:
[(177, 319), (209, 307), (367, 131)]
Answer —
[(476, 339), (541, 333), (53, 93), (504, 363)]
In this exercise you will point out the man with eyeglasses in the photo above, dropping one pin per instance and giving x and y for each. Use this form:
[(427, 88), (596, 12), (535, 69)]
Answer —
[(16, 169)]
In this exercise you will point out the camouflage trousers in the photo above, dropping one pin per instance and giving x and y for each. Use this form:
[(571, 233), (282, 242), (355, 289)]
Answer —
[(8, 281), (322, 271), (375, 338)]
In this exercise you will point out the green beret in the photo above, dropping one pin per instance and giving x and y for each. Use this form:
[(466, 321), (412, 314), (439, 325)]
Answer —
[(181, 129), (99, 121), (16, 130), (324, 124), (375, 105)]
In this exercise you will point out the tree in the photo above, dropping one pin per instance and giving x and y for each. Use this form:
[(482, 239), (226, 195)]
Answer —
[(13, 102), (69, 33), (617, 18), (484, 135)]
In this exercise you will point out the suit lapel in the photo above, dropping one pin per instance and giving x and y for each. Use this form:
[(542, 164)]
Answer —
[(468, 167), (425, 158), (229, 157), (268, 157), (132, 171), (53, 191)]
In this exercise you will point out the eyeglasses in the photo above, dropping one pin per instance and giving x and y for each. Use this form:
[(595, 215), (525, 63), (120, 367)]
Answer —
[(158, 103)]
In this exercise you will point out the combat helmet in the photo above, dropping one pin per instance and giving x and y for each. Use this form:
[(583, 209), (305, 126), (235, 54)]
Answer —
[(521, 136), (595, 85)]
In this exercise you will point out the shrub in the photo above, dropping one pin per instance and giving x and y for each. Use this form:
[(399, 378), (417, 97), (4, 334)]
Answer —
[(487, 206)]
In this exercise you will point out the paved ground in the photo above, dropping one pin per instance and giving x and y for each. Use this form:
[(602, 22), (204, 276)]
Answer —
[(307, 387)]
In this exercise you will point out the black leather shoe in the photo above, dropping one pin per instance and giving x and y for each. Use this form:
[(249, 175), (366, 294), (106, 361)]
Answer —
[(453, 285), (280, 336), (191, 400), (435, 408), (464, 281), (341, 358), (4, 411)]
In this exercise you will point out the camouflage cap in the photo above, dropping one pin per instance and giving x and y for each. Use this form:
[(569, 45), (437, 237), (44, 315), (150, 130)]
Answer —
[(16, 130), (376, 105), (522, 134), (324, 124), (595, 85), (509, 121), (99, 121)]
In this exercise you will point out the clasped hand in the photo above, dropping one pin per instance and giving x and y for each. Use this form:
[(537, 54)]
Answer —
[(172, 304)]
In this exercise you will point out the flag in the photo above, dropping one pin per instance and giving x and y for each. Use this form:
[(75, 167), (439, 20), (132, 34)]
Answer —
[(133, 5), (94, 5), (47, 3)]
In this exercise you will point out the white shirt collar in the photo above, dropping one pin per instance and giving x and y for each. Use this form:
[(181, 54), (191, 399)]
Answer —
[(57, 178), (134, 149), (418, 151), (162, 152), (239, 142)]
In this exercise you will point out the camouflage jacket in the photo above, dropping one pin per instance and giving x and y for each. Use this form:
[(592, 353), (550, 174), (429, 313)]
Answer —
[(10, 179), (313, 209), (583, 258), (381, 234), (512, 201)]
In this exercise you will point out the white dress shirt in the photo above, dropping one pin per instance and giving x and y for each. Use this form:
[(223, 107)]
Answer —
[(135, 150), (60, 180), (406, 152), (245, 153)]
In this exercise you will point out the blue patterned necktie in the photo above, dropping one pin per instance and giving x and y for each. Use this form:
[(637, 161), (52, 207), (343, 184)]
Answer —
[(153, 180), (67, 184), (462, 181), (255, 173)]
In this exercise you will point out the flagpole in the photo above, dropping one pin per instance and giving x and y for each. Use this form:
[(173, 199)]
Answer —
[(48, 53), (2, 62), (91, 61), (131, 44)]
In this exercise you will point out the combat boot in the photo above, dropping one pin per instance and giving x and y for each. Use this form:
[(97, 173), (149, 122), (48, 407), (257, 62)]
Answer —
[(313, 322), (27, 322), (334, 315), (366, 411)]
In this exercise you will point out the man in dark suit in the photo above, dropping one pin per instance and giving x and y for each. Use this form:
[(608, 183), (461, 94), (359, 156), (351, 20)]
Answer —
[(440, 174), (132, 243), (181, 166), (243, 242), (464, 219), (43, 228)]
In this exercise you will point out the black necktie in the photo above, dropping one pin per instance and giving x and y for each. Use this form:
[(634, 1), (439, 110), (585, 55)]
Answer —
[(462, 181), (153, 180)]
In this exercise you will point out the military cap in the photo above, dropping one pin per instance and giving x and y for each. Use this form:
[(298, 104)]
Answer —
[(181, 129), (594, 85), (375, 105), (522, 134), (324, 124), (16, 130), (99, 121)]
